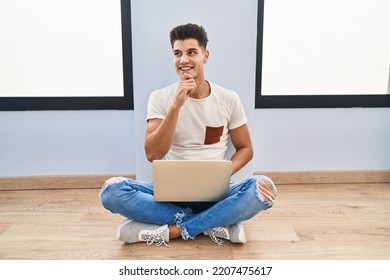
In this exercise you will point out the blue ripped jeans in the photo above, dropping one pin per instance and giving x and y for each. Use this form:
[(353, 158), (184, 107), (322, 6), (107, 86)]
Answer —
[(134, 200)]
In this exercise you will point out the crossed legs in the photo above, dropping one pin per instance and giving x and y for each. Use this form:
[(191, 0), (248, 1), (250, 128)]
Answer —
[(134, 200)]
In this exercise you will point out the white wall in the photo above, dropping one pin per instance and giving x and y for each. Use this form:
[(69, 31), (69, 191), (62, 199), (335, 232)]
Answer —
[(322, 139), (66, 143), (110, 142)]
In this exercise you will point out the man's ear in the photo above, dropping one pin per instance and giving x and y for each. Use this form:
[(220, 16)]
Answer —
[(206, 56)]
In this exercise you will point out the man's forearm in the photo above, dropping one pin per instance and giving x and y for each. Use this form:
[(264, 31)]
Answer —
[(159, 139), (240, 158)]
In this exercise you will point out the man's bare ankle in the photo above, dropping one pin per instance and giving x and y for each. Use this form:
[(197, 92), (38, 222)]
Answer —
[(174, 231)]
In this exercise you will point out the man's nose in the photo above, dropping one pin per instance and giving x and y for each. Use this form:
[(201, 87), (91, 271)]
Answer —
[(183, 59)]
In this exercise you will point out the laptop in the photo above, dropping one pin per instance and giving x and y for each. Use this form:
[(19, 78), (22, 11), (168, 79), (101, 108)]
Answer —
[(191, 180)]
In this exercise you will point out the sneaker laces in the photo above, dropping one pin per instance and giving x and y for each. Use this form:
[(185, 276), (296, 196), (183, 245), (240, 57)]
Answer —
[(217, 233), (156, 236)]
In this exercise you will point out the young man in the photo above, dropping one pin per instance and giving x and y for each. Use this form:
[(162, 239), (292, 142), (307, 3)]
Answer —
[(191, 119)]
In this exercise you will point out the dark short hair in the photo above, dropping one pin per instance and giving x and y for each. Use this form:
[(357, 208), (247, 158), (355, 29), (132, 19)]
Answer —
[(189, 31)]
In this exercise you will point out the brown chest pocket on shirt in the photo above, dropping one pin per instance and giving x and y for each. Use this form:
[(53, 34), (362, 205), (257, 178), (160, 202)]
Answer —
[(213, 135)]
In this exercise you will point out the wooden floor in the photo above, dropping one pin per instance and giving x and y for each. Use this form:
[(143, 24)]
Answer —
[(323, 221)]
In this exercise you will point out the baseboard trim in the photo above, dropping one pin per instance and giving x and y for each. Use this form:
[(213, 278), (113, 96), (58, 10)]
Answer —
[(55, 182), (280, 178), (329, 177)]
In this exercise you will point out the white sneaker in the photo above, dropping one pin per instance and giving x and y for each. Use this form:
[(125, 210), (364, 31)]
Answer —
[(131, 231), (235, 233)]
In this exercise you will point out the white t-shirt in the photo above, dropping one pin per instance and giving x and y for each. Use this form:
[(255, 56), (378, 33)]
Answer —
[(203, 126)]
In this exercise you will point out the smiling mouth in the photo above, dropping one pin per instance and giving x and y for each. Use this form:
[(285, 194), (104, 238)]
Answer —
[(185, 68)]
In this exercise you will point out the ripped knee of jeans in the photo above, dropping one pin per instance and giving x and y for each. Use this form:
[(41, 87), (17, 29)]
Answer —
[(113, 180), (267, 191)]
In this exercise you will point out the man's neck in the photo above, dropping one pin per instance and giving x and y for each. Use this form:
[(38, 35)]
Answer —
[(203, 90)]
